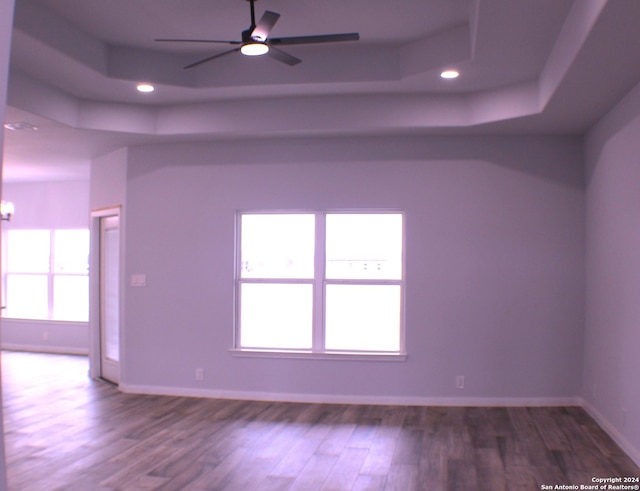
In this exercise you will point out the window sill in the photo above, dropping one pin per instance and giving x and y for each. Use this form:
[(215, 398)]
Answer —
[(24, 320), (316, 355)]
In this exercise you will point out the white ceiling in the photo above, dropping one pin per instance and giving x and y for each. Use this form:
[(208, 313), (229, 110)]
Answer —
[(527, 66)]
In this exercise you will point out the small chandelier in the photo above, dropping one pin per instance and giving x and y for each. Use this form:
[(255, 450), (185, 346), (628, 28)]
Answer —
[(6, 210)]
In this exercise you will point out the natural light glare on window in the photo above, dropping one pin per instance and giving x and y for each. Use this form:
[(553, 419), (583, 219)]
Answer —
[(47, 274), (71, 298), (28, 251), (27, 296), (111, 290), (278, 246), (364, 246), (363, 317), (350, 304), (276, 315), (71, 251)]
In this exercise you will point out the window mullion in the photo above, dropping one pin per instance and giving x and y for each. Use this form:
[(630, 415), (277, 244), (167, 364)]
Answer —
[(318, 288)]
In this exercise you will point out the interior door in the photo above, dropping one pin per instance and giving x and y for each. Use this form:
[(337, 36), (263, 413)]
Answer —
[(110, 298)]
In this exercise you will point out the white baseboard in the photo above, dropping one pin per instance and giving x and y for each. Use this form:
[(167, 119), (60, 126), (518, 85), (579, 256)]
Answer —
[(58, 350), (605, 424), (350, 399)]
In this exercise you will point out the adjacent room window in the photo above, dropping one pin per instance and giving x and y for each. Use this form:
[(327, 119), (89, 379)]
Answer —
[(47, 274), (320, 282)]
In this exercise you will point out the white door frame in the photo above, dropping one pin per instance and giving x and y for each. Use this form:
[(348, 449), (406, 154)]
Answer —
[(95, 360)]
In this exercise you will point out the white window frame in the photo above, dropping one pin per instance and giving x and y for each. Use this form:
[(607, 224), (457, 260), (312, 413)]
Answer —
[(319, 284), (51, 274)]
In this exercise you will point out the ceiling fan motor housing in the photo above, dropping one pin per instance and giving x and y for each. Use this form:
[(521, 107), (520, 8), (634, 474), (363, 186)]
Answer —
[(246, 35)]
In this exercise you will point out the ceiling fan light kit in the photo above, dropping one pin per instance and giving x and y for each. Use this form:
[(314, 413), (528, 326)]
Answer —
[(256, 41), (254, 49)]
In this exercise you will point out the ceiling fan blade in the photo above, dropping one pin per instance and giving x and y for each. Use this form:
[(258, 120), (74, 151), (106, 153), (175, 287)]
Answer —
[(320, 38), (280, 55), (264, 26), (209, 58), (164, 40)]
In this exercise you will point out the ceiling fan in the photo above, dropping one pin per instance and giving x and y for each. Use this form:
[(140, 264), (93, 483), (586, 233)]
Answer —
[(256, 41)]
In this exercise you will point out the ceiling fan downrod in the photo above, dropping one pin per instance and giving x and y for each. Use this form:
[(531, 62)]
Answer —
[(253, 15)]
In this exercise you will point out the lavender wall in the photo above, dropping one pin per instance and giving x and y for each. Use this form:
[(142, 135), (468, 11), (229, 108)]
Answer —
[(47, 205), (612, 339), (108, 186), (494, 264), (53, 204)]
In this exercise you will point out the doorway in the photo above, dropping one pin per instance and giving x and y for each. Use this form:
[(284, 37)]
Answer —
[(105, 349)]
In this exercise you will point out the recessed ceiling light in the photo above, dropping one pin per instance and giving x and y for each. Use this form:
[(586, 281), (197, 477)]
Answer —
[(145, 88), (450, 74), (20, 126)]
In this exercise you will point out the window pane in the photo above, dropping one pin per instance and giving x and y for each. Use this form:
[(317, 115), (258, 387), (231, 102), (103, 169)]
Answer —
[(110, 303), (71, 298), (363, 317), (364, 246), (27, 296), (277, 246), (276, 316), (71, 251), (28, 251)]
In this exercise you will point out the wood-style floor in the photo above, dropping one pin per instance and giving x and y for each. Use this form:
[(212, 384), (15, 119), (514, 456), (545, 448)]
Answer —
[(64, 431)]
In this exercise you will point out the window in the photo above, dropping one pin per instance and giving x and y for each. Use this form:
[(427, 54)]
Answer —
[(47, 274), (320, 282)]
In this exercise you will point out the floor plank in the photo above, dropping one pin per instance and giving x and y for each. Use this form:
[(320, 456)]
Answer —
[(64, 431)]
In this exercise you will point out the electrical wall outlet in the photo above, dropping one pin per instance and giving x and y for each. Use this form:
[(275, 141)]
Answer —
[(199, 374), (139, 280), (459, 381)]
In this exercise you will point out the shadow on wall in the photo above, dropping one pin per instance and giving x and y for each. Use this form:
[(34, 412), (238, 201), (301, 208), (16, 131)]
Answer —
[(616, 121), (556, 159)]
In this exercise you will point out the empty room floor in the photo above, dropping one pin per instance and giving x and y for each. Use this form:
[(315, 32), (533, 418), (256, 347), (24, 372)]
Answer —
[(65, 431)]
